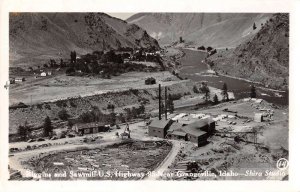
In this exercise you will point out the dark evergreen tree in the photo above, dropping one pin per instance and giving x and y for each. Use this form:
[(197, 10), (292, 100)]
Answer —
[(47, 127), (225, 92), (254, 26), (24, 131), (215, 99), (195, 89), (170, 104), (253, 92)]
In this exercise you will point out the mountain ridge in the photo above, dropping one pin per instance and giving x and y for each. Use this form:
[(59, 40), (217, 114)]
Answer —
[(263, 58), (199, 27), (35, 37)]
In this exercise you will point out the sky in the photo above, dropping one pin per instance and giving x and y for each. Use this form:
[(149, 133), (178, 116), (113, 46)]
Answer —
[(122, 16)]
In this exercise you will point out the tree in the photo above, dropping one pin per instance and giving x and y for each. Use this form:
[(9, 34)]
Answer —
[(73, 57), (70, 71), (207, 94), (215, 99), (201, 48), (47, 127), (209, 49), (205, 89), (253, 92), (195, 89), (24, 131), (254, 26), (224, 92), (180, 40), (112, 118), (170, 104), (63, 115)]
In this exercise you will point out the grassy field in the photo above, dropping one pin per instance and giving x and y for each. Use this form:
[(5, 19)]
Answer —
[(61, 86)]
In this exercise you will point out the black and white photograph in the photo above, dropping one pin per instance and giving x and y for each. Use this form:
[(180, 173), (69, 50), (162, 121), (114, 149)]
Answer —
[(148, 96)]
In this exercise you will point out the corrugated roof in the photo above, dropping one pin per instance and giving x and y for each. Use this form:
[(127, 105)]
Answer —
[(159, 123), (88, 125), (179, 133), (175, 126), (201, 122), (195, 128)]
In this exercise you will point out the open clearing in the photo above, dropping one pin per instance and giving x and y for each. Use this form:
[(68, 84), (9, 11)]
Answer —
[(63, 87), (136, 157)]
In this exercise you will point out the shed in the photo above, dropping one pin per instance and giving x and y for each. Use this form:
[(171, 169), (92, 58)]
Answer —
[(258, 117), (43, 74), (20, 79)]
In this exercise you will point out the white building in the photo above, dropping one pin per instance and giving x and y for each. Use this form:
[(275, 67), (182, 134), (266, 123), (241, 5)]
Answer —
[(43, 74)]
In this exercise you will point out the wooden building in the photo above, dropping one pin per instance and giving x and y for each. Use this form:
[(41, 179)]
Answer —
[(158, 128), (88, 128)]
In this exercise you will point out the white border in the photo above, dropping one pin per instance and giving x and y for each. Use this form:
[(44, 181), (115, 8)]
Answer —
[(291, 6)]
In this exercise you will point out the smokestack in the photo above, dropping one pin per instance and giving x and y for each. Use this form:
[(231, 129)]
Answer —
[(159, 101), (166, 108)]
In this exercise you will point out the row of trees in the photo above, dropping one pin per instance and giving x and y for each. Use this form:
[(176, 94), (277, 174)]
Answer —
[(25, 131), (225, 97)]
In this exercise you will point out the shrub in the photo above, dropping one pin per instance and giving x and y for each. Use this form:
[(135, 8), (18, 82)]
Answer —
[(195, 89), (63, 115), (39, 106), (72, 104), (47, 106), (61, 103), (201, 48)]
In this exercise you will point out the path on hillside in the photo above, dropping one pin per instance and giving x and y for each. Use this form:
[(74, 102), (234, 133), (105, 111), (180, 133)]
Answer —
[(166, 162)]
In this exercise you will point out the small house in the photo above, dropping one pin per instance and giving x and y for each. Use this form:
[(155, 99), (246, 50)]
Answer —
[(258, 117), (20, 79), (126, 61), (158, 128), (49, 73), (43, 74)]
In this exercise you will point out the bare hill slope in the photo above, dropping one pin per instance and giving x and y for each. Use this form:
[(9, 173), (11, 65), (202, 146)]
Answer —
[(264, 58), (209, 29), (35, 37)]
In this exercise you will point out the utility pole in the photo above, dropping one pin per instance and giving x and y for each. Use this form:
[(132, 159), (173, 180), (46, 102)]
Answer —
[(166, 108), (159, 100)]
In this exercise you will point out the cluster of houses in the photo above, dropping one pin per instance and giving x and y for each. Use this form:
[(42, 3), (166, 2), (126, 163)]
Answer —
[(136, 54), (13, 80), (193, 129), (46, 73)]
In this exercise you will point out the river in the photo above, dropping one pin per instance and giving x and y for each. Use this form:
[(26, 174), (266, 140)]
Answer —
[(193, 68)]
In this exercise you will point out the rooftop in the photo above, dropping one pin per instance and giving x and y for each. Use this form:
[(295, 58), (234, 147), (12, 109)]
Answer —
[(88, 125), (179, 133), (175, 126), (159, 123), (195, 127)]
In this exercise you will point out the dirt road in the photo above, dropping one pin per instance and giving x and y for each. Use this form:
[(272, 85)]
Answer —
[(158, 172)]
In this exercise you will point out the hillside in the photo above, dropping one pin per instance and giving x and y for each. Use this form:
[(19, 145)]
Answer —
[(208, 29), (35, 37), (264, 58)]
